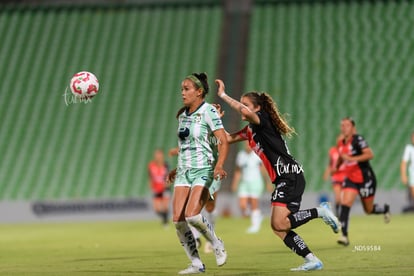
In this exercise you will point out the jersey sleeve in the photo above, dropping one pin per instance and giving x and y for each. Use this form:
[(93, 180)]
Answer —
[(361, 142), (243, 133), (213, 119)]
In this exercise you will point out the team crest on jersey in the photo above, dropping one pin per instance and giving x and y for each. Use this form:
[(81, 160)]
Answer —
[(197, 118), (257, 149)]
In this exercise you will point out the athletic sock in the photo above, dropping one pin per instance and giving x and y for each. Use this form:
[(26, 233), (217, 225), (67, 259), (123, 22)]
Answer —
[(195, 232), (378, 209), (164, 216), (211, 217), (337, 209), (186, 238), (344, 219), (296, 244), (256, 218), (159, 213), (204, 227), (302, 217)]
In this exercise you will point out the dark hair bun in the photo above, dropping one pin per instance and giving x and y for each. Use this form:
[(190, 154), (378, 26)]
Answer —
[(203, 79)]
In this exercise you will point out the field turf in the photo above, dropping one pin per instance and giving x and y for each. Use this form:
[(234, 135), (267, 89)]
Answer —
[(146, 248)]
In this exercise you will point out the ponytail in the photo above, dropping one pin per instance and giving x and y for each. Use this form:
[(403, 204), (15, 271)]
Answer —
[(269, 106)]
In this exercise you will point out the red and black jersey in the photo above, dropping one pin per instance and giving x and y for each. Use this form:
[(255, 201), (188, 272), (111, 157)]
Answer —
[(339, 173), (354, 170), (267, 142), (158, 176)]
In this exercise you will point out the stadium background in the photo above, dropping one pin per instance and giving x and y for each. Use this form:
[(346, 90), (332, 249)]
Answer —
[(320, 60)]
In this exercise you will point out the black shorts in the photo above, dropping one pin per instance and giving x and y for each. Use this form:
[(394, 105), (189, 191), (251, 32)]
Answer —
[(161, 195), (288, 191), (367, 188)]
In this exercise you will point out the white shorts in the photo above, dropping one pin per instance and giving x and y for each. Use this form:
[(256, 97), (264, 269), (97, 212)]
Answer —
[(253, 189), (410, 178)]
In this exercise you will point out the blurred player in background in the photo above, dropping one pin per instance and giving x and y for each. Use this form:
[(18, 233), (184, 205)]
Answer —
[(355, 155), (407, 170), (157, 172), (249, 183), (335, 174), (200, 130), (265, 133)]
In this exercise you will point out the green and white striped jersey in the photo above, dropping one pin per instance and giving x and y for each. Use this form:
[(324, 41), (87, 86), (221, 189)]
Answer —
[(196, 141)]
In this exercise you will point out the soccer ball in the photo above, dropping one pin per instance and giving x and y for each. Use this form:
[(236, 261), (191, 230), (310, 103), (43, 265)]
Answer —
[(84, 85)]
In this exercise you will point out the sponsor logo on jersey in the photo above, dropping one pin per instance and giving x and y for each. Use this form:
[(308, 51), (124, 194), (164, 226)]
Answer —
[(183, 133), (282, 168)]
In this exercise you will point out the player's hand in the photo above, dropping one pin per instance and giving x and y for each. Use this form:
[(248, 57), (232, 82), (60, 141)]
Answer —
[(270, 187), (173, 152), (171, 176), (219, 173), (346, 157), (219, 110), (220, 87)]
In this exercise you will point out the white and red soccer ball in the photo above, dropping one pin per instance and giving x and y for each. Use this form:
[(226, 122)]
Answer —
[(84, 85)]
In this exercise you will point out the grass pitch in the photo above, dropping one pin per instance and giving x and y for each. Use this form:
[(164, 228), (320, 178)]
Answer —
[(146, 248)]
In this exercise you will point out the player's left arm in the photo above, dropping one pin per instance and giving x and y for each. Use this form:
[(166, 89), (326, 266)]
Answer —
[(250, 116), (366, 155), (173, 151), (223, 149)]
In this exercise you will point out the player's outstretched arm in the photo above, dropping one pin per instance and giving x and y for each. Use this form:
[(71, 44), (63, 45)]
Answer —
[(250, 116)]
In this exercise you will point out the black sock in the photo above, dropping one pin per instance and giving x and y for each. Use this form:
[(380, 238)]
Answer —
[(164, 216), (296, 244), (378, 209), (344, 219), (302, 217), (337, 209)]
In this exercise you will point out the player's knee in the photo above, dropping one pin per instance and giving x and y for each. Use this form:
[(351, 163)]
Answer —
[(210, 207), (280, 225), (178, 217)]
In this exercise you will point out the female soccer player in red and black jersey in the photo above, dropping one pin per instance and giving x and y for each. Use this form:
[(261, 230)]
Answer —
[(335, 173), (265, 133), (157, 172), (360, 178)]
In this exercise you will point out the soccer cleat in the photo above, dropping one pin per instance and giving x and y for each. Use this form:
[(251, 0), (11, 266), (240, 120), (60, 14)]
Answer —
[(387, 213), (324, 211), (343, 241), (192, 269), (221, 254), (314, 264), (253, 229)]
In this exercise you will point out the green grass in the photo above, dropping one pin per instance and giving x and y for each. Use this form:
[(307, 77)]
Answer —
[(146, 248)]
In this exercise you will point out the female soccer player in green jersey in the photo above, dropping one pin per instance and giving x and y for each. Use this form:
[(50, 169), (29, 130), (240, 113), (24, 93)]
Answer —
[(200, 133)]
